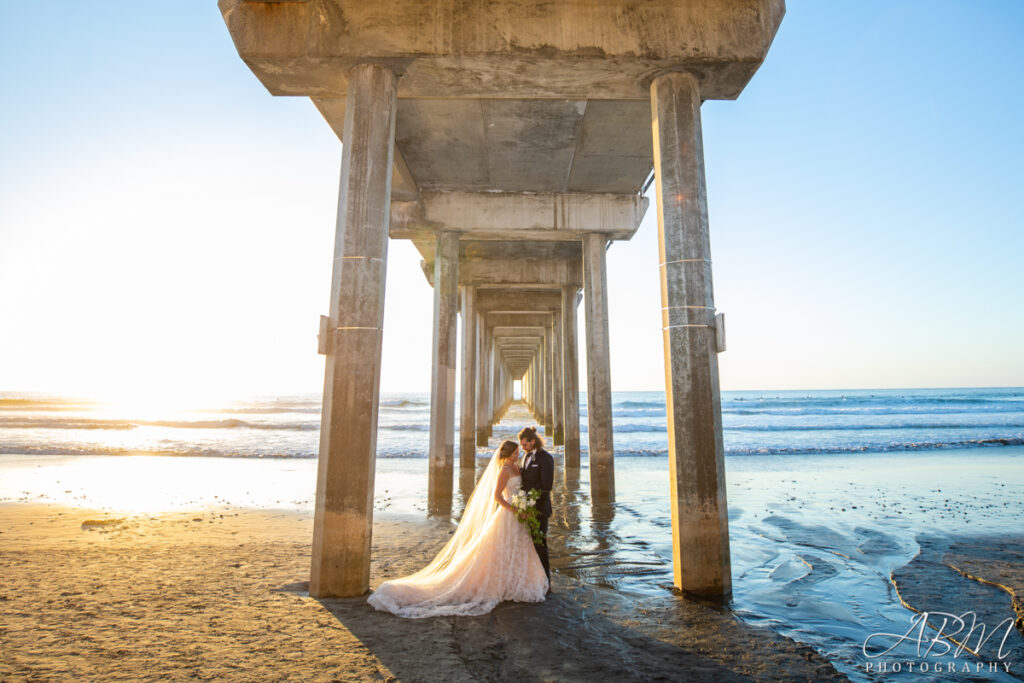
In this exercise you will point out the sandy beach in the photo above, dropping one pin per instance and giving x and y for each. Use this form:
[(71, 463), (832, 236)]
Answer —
[(221, 595), (115, 570)]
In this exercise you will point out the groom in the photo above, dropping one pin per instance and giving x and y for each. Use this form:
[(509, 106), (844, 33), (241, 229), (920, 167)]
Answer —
[(538, 472)]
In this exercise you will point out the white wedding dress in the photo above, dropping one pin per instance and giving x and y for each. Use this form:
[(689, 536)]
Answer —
[(490, 558)]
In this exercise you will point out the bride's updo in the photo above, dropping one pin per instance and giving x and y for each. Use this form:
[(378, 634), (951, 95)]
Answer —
[(507, 450)]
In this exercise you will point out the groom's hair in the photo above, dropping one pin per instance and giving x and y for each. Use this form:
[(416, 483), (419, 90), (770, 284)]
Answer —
[(531, 433)]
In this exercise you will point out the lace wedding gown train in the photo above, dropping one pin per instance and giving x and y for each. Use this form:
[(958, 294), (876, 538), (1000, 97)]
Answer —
[(490, 558)]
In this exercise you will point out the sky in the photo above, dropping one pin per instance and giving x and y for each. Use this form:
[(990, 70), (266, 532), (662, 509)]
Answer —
[(166, 226)]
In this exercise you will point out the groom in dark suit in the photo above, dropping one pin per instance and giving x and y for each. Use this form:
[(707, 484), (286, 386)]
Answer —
[(538, 472)]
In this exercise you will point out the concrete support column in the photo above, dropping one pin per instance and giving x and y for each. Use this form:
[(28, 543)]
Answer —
[(467, 398), (481, 383), (488, 382), (700, 522), (343, 517), (599, 376), (571, 379), (538, 395), (495, 388), (557, 379), (546, 365), (442, 384), (531, 400)]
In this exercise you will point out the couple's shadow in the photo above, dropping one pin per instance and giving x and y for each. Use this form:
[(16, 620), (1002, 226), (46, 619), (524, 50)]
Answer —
[(585, 631), (577, 634)]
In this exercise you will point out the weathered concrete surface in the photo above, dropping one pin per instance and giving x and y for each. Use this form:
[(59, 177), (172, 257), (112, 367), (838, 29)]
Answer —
[(700, 521), (558, 389), (515, 263), (467, 403), (570, 374), (522, 48), (504, 300), (527, 145), (442, 384), (519, 215), (599, 377), (481, 380), (343, 517)]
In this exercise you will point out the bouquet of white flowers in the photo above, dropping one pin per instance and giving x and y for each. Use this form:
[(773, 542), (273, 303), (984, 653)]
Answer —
[(525, 504)]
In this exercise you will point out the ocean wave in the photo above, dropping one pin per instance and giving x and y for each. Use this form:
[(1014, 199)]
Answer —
[(56, 404), (403, 403), (903, 409), (101, 423), (868, 427), (840, 450), (268, 410), (631, 428), (880, 448), (178, 451), (973, 399), (85, 450), (634, 413), (656, 404), (75, 450)]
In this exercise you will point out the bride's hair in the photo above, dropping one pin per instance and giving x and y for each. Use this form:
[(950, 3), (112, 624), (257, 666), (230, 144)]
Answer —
[(531, 433), (507, 450)]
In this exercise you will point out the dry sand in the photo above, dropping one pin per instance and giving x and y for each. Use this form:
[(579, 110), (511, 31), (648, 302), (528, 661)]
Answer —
[(221, 594)]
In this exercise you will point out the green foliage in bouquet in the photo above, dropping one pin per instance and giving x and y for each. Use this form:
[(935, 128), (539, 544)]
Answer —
[(525, 504)]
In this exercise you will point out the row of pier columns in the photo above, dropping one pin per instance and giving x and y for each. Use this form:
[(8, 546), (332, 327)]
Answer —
[(351, 340)]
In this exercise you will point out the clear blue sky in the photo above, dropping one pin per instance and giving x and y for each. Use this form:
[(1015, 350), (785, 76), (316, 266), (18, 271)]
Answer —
[(165, 224)]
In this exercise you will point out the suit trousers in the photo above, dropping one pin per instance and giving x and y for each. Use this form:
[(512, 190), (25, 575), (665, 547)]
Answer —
[(542, 547)]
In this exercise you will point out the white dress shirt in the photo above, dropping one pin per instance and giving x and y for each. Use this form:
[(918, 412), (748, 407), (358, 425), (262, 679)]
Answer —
[(528, 459)]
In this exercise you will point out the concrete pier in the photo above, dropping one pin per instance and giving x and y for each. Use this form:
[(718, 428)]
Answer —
[(343, 518), (481, 384), (570, 373), (599, 377), (549, 385), (515, 147), (700, 520), (442, 389), (558, 393), (467, 406)]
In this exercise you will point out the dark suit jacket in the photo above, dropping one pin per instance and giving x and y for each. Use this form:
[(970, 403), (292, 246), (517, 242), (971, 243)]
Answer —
[(540, 474)]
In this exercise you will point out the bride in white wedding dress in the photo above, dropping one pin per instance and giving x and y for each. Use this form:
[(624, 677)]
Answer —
[(489, 558)]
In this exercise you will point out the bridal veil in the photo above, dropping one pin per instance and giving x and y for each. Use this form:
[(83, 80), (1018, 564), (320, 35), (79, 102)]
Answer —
[(489, 558)]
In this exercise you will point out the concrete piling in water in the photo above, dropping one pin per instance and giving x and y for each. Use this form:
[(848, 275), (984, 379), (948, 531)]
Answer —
[(343, 517), (599, 379), (442, 389), (467, 404), (700, 520), (570, 373)]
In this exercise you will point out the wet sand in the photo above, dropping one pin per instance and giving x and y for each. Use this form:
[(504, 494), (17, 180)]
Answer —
[(981, 581), (221, 594)]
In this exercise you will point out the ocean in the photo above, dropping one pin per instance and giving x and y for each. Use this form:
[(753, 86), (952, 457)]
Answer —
[(754, 422)]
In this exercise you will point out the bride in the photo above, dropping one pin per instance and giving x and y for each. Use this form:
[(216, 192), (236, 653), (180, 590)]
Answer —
[(489, 558)]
